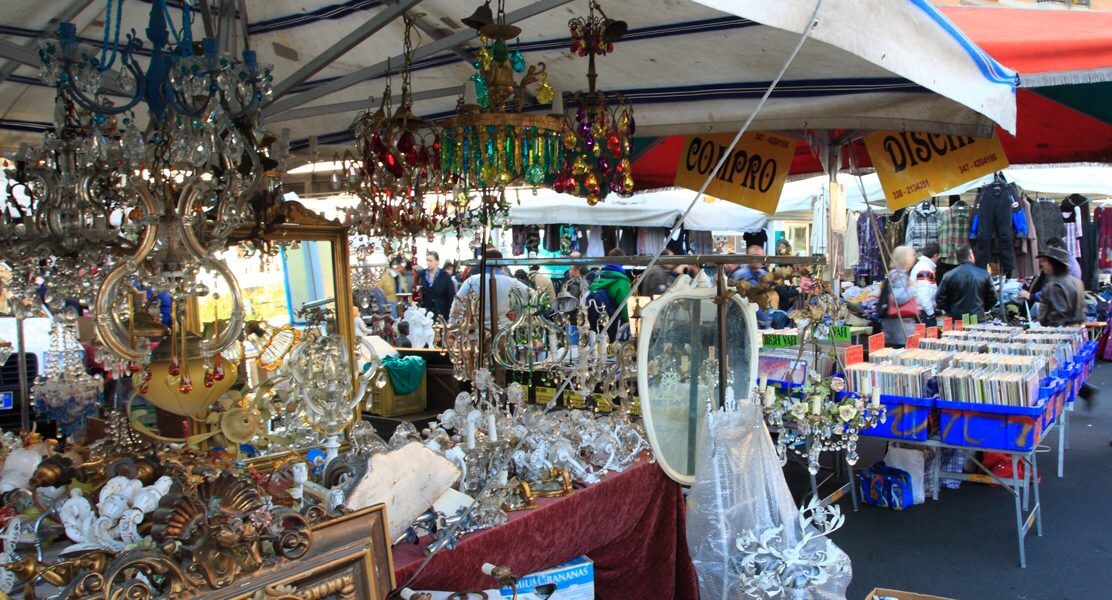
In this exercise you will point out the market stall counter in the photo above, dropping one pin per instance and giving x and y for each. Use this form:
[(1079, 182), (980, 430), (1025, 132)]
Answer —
[(631, 524)]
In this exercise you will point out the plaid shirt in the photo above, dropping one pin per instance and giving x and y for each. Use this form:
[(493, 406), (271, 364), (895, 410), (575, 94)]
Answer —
[(922, 227), (953, 232)]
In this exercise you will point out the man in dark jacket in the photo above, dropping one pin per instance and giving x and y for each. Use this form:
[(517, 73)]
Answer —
[(966, 289), (435, 286)]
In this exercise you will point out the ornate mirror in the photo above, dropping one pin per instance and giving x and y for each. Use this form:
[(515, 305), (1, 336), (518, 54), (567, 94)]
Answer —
[(677, 370)]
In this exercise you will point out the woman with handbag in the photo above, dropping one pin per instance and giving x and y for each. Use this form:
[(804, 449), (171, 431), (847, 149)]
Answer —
[(897, 296)]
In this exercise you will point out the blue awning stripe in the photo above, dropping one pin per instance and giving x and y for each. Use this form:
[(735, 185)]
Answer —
[(992, 70)]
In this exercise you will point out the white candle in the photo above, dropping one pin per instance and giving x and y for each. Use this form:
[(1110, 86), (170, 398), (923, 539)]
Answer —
[(470, 434), (876, 397), (492, 427), (769, 396), (816, 406), (762, 383)]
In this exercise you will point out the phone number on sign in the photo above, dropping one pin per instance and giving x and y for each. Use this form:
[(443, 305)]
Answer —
[(983, 161), (909, 189)]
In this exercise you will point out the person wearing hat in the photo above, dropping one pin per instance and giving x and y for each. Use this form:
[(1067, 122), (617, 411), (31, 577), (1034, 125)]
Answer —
[(1062, 302), (1063, 295)]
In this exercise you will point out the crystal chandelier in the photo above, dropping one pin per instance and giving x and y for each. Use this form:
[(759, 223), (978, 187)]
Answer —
[(184, 180), (67, 212), (598, 130), (64, 392), (491, 143), (395, 164)]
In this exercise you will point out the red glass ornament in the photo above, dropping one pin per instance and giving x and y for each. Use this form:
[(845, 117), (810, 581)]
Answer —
[(614, 143), (406, 141), (175, 369), (186, 385)]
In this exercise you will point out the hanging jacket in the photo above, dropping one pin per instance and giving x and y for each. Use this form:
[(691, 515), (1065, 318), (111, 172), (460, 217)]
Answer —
[(922, 225)]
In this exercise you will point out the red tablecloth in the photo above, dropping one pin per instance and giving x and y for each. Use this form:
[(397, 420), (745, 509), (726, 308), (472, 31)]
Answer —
[(630, 524)]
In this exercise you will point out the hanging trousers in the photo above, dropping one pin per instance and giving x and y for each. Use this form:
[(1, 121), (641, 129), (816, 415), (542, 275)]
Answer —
[(994, 224)]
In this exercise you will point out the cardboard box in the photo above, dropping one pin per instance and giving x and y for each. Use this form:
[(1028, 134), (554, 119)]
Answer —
[(885, 594), (573, 580)]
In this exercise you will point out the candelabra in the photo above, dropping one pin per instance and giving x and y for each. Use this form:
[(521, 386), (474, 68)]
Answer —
[(819, 416), (491, 143), (395, 164)]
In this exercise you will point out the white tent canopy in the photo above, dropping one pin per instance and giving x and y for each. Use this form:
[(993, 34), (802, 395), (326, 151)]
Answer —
[(685, 66), (661, 208)]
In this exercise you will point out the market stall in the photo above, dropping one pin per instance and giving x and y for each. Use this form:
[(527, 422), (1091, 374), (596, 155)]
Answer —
[(237, 455)]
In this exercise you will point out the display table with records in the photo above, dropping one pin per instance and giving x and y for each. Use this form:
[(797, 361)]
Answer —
[(992, 390)]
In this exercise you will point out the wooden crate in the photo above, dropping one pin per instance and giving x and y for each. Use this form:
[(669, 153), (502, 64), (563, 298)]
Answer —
[(385, 403)]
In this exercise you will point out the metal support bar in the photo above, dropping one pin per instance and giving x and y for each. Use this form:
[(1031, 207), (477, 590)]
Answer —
[(226, 27), (342, 47), (67, 14), (243, 24), (424, 26), (206, 19), (380, 69), (641, 261), (358, 105), (19, 54), (24, 388)]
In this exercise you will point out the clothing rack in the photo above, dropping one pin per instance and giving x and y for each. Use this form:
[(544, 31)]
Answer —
[(641, 261)]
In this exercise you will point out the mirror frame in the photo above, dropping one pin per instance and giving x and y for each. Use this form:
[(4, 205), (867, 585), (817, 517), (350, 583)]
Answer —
[(685, 288), (302, 224)]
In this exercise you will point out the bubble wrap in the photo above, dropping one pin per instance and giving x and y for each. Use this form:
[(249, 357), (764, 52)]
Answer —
[(739, 487)]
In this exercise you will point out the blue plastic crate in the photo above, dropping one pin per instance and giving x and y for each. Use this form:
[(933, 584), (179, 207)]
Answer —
[(908, 418), (990, 425)]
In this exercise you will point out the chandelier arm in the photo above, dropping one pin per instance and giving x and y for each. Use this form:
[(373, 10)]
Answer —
[(110, 329), (93, 106), (179, 105), (231, 332)]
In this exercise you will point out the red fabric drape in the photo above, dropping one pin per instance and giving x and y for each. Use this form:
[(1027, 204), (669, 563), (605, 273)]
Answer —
[(630, 524)]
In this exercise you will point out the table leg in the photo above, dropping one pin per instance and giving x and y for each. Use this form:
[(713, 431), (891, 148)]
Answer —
[(1035, 484), (852, 481), (1066, 423), (1019, 516), (1063, 422)]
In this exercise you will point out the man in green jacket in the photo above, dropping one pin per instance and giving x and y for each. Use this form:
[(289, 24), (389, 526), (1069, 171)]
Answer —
[(614, 281)]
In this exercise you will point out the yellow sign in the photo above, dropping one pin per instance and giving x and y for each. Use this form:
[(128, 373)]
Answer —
[(914, 166), (752, 176), (544, 394)]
